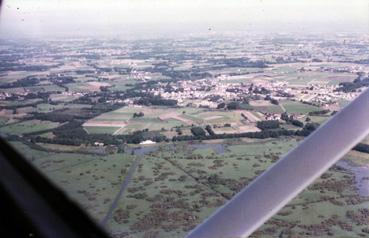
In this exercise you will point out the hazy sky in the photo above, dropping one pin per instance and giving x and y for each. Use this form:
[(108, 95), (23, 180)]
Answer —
[(168, 17)]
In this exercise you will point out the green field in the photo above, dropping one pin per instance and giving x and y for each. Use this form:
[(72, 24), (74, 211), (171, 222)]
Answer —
[(319, 119), (268, 109), (94, 182), (12, 76), (27, 127), (91, 180), (152, 124), (298, 107), (292, 75), (192, 182), (100, 130), (46, 107)]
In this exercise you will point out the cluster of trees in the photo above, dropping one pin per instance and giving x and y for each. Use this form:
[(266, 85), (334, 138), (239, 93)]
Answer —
[(156, 100), (25, 82), (233, 105), (85, 99), (53, 116), (362, 61), (209, 130), (169, 89), (39, 95), (233, 90), (61, 80), (318, 113), (141, 135), (214, 98), (359, 82), (297, 123), (20, 105), (139, 114), (59, 141), (72, 133), (267, 133), (272, 100), (291, 120), (23, 67), (261, 90), (179, 131), (362, 148), (267, 125), (32, 81), (239, 62), (84, 71), (244, 116), (286, 117), (221, 105), (198, 132), (106, 95), (284, 94), (84, 114), (307, 129), (192, 74), (259, 135)]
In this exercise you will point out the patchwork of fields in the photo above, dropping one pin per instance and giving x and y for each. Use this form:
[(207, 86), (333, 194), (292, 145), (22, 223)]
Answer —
[(123, 121)]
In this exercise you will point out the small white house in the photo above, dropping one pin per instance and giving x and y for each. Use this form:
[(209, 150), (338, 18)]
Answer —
[(147, 142), (99, 144)]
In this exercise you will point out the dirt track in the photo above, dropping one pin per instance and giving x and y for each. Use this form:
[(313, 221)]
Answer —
[(174, 115)]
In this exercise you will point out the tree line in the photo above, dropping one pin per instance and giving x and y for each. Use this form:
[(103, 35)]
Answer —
[(199, 133)]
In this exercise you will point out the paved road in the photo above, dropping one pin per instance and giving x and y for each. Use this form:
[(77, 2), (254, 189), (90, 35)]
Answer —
[(123, 187)]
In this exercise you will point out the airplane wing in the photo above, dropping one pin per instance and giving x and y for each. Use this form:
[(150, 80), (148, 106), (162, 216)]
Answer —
[(278, 185)]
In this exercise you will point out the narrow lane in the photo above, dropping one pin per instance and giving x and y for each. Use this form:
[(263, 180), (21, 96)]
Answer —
[(123, 187)]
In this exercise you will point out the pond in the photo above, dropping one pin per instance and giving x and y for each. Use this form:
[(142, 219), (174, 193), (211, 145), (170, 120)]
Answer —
[(361, 176), (141, 150)]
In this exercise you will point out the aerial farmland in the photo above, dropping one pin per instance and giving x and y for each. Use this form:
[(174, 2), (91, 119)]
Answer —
[(151, 140)]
